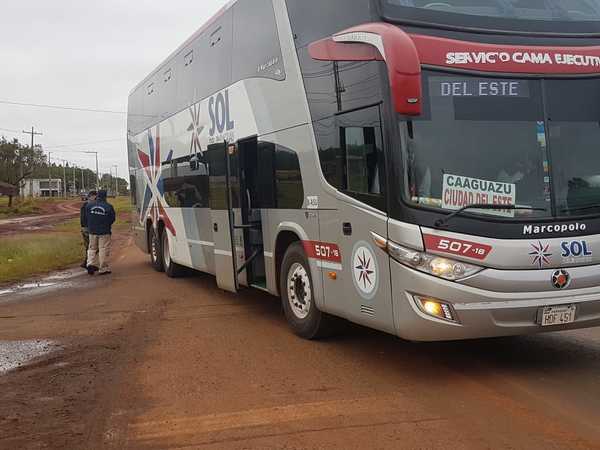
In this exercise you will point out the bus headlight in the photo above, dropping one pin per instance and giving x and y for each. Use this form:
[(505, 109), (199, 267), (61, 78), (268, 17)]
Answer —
[(438, 266), (436, 308)]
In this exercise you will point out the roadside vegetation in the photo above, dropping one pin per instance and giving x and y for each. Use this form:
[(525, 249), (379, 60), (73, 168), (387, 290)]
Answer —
[(122, 207), (18, 208), (25, 207), (27, 255)]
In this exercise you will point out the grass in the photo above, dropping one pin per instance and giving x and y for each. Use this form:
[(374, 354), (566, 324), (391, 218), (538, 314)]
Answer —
[(24, 256), (123, 210), (30, 254), (122, 207), (19, 208), (24, 207)]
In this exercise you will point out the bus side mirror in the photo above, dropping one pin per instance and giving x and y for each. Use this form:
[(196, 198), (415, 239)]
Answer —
[(379, 42)]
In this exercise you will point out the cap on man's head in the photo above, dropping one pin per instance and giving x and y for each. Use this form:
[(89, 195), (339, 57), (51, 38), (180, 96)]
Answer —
[(102, 194), (92, 194)]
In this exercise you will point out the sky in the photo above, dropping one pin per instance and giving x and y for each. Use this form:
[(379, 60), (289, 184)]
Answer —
[(85, 54)]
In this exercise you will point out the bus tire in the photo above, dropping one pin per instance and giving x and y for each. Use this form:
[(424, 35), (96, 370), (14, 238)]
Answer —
[(156, 251), (297, 296), (172, 269)]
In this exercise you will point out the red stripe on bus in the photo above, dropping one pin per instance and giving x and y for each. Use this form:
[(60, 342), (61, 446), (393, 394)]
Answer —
[(451, 246), (437, 51), (322, 251), (144, 159), (167, 221)]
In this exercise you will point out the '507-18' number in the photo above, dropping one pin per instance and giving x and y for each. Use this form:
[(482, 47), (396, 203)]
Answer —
[(457, 247)]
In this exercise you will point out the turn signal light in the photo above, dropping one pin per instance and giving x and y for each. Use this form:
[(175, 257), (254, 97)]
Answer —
[(436, 308)]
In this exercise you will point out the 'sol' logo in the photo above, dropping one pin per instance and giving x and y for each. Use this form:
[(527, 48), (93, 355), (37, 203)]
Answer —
[(220, 114)]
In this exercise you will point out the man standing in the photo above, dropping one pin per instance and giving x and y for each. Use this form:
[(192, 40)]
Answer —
[(100, 218), (85, 232)]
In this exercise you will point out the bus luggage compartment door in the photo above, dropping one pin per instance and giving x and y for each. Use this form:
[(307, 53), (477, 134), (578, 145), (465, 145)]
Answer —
[(225, 210)]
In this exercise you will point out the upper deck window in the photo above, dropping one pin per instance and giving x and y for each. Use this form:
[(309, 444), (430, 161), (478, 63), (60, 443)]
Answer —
[(551, 16), (535, 10)]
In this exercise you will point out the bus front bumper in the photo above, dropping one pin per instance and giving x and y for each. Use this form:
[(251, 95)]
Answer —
[(481, 313)]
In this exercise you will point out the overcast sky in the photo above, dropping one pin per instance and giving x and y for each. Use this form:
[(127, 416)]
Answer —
[(85, 53)]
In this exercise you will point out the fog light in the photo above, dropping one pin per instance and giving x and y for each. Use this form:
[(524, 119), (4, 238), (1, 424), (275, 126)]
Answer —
[(436, 308)]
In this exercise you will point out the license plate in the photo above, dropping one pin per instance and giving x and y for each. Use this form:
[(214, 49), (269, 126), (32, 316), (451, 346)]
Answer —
[(558, 315)]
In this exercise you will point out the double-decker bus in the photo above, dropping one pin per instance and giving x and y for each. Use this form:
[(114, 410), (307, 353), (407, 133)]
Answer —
[(426, 168)]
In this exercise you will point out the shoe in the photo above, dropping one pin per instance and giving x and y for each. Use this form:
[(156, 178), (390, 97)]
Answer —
[(92, 270), (83, 265), (105, 272)]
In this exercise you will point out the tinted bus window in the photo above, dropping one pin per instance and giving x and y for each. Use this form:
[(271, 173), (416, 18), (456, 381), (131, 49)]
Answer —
[(256, 49), (574, 128), (315, 19), (290, 192), (265, 180), (332, 87), (217, 167), (517, 9), (185, 183), (351, 154), (480, 140)]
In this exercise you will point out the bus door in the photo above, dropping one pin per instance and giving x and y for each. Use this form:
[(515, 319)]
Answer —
[(252, 180), (225, 205), (361, 289)]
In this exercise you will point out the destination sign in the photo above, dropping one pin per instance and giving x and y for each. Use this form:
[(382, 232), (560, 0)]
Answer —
[(479, 87), (459, 191)]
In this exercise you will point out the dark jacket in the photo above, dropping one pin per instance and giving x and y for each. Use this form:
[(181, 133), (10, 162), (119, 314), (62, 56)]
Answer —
[(100, 216), (83, 216)]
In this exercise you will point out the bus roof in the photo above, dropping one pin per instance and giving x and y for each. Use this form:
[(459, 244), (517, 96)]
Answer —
[(198, 33)]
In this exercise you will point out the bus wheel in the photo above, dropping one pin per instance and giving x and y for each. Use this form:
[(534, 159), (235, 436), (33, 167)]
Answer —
[(156, 257), (172, 269), (297, 296)]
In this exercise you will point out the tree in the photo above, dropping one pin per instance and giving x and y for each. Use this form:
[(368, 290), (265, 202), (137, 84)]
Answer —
[(17, 162), (107, 182)]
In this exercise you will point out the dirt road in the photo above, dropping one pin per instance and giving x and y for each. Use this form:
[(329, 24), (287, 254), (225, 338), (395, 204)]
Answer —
[(139, 361), (53, 214)]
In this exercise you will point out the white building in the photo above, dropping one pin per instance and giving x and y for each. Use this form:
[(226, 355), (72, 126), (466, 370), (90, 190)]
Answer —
[(40, 188)]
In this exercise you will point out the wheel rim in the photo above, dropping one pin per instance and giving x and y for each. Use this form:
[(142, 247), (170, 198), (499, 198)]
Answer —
[(299, 291), (166, 252), (154, 249)]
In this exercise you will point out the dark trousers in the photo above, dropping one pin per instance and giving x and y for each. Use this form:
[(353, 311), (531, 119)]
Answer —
[(85, 234)]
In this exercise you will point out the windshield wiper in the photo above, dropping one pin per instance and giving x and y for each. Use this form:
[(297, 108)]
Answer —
[(443, 222), (581, 208)]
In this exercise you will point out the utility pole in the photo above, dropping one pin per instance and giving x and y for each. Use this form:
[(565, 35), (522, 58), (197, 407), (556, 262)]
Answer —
[(74, 191), (97, 169), (116, 180), (64, 187), (49, 176), (64, 179), (82, 180), (33, 134), (339, 89)]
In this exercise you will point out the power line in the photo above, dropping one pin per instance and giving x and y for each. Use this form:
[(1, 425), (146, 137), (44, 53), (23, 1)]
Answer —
[(70, 152), (10, 131), (83, 144), (67, 108)]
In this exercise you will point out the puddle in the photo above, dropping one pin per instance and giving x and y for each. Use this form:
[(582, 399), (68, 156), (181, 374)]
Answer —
[(58, 280), (15, 354)]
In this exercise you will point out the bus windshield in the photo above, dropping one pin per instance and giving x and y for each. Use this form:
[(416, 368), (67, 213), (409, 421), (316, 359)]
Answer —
[(519, 142), (546, 10)]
